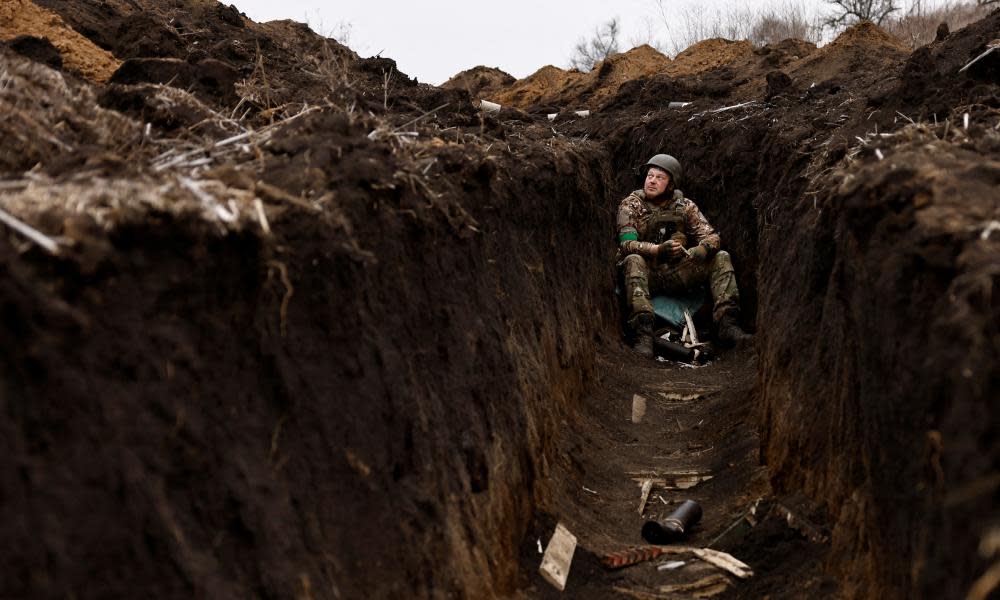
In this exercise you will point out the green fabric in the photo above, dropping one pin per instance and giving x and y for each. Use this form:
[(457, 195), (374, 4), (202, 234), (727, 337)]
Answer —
[(628, 237)]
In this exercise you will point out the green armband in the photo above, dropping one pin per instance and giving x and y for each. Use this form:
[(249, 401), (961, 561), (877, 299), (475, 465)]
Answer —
[(628, 236)]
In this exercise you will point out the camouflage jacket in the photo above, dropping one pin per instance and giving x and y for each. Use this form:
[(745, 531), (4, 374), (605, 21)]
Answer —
[(644, 221)]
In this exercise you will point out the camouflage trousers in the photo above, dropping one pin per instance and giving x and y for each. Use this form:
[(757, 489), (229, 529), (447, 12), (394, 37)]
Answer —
[(642, 281)]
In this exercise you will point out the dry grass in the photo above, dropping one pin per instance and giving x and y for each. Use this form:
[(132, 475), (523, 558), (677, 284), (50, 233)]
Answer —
[(918, 26)]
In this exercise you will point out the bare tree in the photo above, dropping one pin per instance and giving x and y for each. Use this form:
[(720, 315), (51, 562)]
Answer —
[(920, 24), (604, 43), (786, 22), (647, 37), (688, 24), (848, 12)]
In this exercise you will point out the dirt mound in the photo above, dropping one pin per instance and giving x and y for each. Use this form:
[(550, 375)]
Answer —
[(709, 54), (638, 62), (79, 55), (552, 89), (278, 66), (541, 87), (931, 85), (861, 49), (480, 82), (714, 69)]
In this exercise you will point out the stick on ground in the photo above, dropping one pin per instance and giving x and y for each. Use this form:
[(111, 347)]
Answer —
[(29, 232)]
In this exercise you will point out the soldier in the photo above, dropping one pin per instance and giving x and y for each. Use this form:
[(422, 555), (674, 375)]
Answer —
[(669, 247)]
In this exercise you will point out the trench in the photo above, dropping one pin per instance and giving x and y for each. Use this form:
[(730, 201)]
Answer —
[(405, 386), (294, 418)]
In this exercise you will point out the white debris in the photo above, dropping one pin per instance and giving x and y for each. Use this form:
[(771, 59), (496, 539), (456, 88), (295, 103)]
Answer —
[(558, 557), (989, 229)]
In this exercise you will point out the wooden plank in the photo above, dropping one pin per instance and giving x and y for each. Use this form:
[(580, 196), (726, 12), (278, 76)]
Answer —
[(724, 561), (671, 481), (692, 332), (706, 587), (558, 557)]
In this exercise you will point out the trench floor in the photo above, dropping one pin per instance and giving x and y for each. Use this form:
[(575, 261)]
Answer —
[(699, 430)]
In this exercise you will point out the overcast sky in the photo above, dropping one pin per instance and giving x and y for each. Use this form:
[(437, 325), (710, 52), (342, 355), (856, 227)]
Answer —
[(435, 39)]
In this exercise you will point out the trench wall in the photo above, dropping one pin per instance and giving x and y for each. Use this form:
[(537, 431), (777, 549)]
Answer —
[(360, 407), (878, 348)]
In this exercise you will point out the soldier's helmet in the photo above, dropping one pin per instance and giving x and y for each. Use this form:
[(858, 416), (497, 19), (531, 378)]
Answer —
[(667, 163)]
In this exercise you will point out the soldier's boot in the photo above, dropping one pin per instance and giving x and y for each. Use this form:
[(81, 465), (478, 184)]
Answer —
[(728, 330), (642, 325)]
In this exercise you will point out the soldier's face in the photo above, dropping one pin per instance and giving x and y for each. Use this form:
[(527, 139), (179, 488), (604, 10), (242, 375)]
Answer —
[(657, 181)]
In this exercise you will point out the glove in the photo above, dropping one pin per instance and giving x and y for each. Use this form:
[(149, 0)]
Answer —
[(699, 253)]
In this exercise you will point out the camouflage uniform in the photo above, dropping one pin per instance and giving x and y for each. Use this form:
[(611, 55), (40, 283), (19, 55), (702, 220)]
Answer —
[(681, 221)]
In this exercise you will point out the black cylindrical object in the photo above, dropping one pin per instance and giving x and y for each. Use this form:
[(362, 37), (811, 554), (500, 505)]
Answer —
[(672, 350), (674, 526)]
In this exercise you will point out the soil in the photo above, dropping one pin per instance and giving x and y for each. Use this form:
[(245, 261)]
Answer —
[(303, 326), (480, 82), (553, 87), (708, 55), (79, 54)]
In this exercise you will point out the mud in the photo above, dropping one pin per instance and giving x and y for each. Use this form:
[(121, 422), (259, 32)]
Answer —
[(316, 329)]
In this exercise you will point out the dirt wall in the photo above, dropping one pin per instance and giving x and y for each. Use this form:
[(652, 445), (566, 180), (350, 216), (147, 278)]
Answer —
[(889, 289), (227, 443), (356, 401)]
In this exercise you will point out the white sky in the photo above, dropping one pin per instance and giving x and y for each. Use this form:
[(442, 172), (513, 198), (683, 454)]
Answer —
[(435, 39)]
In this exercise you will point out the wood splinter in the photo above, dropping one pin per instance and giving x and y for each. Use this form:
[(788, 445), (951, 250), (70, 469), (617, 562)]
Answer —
[(647, 486)]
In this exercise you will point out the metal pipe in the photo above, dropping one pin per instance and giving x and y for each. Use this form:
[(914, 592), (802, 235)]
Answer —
[(675, 526)]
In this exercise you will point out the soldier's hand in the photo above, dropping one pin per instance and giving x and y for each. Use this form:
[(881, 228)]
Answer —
[(672, 249), (699, 253)]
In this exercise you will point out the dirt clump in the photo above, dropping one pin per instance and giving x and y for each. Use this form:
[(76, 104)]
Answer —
[(79, 55), (206, 77), (480, 82), (37, 49)]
